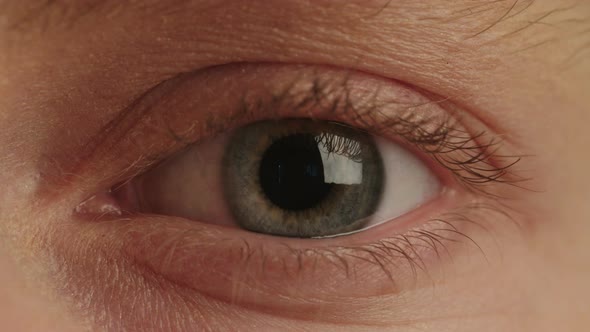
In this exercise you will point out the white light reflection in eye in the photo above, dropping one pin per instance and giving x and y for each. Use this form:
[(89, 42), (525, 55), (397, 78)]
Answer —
[(340, 168)]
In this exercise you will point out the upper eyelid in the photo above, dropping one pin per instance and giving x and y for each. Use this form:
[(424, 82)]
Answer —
[(159, 115), (431, 133)]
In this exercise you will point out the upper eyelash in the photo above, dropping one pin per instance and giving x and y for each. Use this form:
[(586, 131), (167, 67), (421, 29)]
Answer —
[(474, 159)]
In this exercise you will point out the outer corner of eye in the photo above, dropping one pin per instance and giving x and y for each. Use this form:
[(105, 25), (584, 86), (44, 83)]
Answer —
[(293, 178)]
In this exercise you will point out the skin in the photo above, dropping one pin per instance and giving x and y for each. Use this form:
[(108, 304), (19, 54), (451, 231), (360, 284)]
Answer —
[(522, 69)]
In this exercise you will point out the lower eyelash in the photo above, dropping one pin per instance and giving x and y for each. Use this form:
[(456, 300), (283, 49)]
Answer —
[(411, 249), (407, 256)]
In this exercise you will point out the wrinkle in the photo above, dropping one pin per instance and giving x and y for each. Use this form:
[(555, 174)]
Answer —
[(52, 12), (470, 12), (578, 55)]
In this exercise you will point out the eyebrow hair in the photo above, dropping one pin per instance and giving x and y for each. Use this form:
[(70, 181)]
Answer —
[(507, 15)]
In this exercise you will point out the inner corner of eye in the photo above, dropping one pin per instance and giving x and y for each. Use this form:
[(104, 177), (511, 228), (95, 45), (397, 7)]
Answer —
[(293, 178), (100, 204), (114, 202)]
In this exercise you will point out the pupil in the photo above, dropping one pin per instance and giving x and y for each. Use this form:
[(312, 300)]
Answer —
[(292, 173)]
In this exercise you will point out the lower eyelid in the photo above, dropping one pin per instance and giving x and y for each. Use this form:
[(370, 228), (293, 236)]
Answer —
[(283, 277), (210, 259)]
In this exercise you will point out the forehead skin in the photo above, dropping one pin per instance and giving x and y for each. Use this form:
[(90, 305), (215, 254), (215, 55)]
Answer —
[(521, 66)]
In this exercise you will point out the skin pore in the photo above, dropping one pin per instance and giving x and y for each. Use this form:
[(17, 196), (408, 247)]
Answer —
[(517, 69)]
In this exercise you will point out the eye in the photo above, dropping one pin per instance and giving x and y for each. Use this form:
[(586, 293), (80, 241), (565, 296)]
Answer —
[(294, 177), (214, 182)]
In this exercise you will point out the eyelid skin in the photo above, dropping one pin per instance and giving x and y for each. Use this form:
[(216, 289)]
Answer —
[(291, 277)]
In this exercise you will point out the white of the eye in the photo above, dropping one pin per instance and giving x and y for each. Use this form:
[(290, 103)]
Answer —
[(409, 183)]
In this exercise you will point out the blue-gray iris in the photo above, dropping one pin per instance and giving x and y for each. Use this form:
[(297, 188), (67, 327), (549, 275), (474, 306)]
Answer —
[(302, 178)]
